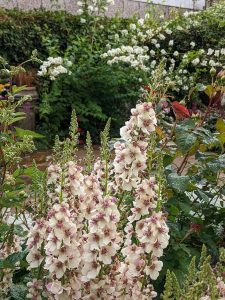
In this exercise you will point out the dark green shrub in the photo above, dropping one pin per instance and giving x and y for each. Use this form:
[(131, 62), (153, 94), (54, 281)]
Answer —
[(94, 89)]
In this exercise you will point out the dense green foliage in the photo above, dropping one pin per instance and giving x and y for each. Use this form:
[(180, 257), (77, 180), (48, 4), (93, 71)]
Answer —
[(94, 89)]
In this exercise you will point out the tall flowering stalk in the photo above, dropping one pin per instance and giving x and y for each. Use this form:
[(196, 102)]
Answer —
[(94, 244)]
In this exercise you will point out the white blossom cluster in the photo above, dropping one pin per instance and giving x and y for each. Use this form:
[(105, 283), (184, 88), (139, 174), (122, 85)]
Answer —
[(62, 246), (134, 56), (93, 6), (103, 240), (72, 178), (54, 67), (150, 228), (145, 199), (144, 223), (131, 155), (81, 248), (152, 233), (181, 70), (36, 238)]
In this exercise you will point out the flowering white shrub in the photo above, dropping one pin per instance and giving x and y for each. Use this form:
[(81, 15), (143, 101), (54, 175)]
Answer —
[(85, 247), (91, 7), (134, 56), (55, 66), (183, 62)]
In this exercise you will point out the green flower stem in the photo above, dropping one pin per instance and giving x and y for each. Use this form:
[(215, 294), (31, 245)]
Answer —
[(61, 189), (106, 176)]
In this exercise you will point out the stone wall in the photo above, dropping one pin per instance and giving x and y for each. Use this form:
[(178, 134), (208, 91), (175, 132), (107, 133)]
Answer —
[(125, 8)]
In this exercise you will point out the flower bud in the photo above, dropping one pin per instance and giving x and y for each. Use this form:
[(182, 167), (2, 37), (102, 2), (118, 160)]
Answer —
[(213, 71)]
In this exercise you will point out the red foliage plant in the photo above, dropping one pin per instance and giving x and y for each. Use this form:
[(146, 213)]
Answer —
[(180, 111)]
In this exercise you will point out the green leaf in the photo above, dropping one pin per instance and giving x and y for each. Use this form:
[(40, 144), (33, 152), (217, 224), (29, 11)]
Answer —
[(4, 228), (209, 90), (16, 120), (185, 207), (18, 230), (185, 141), (4, 137), (18, 291), (202, 196), (10, 261), (22, 132), (18, 89), (206, 136), (174, 210), (167, 160), (30, 171), (12, 199), (221, 138), (217, 164), (178, 182), (220, 125)]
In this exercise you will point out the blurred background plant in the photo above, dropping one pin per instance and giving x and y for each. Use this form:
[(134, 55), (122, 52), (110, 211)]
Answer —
[(98, 90)]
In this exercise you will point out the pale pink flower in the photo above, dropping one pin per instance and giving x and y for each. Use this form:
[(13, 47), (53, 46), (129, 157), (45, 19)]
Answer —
[(90, 270), (34, 259), (221, 286), (55, 287), (55, 266), (106, 253), (35, 289), (136, 267), (154, 268)]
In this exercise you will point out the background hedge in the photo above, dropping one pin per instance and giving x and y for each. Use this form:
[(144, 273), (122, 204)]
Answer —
[(96, 90)]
